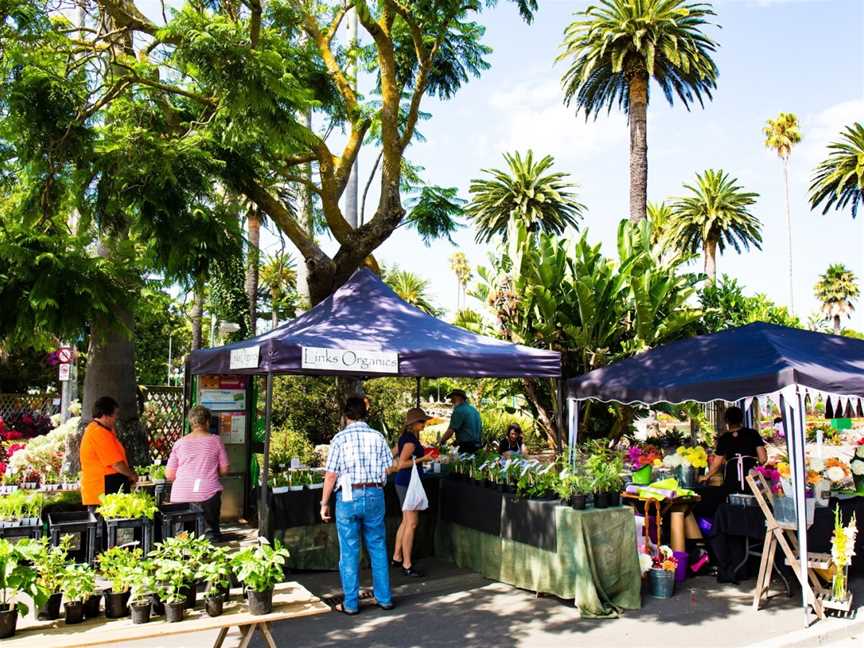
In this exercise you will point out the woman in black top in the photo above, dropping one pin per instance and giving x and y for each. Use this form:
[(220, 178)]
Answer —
[(512, 442), (739, 450)]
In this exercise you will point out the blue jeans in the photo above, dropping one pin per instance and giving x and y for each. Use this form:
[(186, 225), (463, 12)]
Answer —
[(365, 512)]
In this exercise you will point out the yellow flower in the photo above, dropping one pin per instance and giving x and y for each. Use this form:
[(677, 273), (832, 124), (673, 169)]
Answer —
[(657, 463)]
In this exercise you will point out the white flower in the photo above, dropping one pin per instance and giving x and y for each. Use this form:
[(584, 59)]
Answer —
[(673, 460), (817, 465), (859, 452), (857, 467), (75, 408), (645, 563), (835, 474)]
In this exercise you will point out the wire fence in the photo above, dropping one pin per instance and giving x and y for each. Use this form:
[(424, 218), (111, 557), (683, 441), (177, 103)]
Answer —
[(162, 415), (14, 403)]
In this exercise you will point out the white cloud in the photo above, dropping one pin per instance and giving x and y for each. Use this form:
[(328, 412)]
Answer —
[(533, 115), (822, 128)]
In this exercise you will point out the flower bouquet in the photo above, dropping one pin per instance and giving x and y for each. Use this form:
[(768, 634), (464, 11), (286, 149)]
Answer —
[(687, 462), (842, 551), (857, 467), (661, 577), (642, 461)]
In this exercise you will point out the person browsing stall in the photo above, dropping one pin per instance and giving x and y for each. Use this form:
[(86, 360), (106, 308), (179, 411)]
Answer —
[(512, 442), (738, 450), (104, 467), (465, 423), (408, 451), (196, 463), (359, 460)]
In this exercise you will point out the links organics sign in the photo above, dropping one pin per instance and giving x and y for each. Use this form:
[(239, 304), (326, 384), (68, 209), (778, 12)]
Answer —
[(353, 360)]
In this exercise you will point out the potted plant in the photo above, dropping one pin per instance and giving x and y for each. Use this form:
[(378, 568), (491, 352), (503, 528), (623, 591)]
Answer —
[(116, 565), (50, 563), (280, 483), (216, 574), (126, 506), (142, 586), (189, 549), (78, 584), (260, 568), (173, 578), (157, 473), (17, 577), (661, 577), (316, 479)]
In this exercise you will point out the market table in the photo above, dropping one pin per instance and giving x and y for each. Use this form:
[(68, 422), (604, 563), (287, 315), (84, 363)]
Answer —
[(290, 600), (588, 556)]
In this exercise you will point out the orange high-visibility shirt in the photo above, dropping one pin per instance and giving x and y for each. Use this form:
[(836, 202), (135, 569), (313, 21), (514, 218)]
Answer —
[(100, 450)]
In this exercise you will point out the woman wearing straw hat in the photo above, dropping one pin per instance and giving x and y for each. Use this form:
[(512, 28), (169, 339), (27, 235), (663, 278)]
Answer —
[(409, 451)]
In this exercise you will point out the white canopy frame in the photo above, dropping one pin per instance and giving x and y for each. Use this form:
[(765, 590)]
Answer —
[(790, 400)]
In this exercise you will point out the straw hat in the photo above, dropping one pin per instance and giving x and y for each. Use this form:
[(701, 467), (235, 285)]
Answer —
[(416, 415)]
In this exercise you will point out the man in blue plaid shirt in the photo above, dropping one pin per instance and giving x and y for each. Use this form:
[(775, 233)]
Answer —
[(359, 459)]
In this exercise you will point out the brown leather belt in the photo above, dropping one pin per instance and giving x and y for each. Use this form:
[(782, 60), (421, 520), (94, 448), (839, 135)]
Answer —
[(367, 485)]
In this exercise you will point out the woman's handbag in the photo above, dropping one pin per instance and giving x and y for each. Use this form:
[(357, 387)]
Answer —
[(415, 496)]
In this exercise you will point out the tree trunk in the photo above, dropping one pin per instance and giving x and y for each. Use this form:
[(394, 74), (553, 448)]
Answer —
[(307, 221), (638, 91), (711, 260), (253, 226), (789, 235), (111, 372), (836, 325), (545, 411), (352, 191), (197, 315)]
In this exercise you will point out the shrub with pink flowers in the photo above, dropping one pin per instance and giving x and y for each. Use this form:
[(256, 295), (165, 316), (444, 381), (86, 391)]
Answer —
[(25, 425)]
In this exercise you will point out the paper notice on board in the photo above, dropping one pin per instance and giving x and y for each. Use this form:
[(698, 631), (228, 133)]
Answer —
[(224, 399), (232, 428)]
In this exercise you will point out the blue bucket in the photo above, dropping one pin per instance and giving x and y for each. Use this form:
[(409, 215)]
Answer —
[(661, 583)]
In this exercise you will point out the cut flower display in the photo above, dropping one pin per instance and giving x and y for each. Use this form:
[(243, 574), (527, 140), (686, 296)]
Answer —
[(665, 559)]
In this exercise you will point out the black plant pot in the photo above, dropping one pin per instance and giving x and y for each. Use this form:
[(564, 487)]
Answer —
[(577, 502), (158, 607), (51, 609), (217, 592), (614, 498), (74, 612), (174, 611), (191, 594), (93, 606), (213, 605), (234, 581), (260, 602), (140, 612), (8, 622), (116, 605), (601, 500), (509, 489)]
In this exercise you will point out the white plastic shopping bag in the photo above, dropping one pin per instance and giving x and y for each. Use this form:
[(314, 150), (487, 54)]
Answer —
[(415, 496)]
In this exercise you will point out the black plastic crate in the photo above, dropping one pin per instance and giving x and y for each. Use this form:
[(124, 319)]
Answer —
[(176, 518), (33, 531), (142, 530), (82, 524)]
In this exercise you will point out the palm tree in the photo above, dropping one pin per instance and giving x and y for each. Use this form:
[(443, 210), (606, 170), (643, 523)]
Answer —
[(837, 289), (410, 288), (659, 215), (714, 215), (839, 179), (541, 201), (279, 277), (781, 135), (462, 269), (617, 46)]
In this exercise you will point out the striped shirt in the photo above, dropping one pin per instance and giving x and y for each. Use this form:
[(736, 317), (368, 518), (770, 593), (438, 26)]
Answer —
[(196, 460), (361, 452)]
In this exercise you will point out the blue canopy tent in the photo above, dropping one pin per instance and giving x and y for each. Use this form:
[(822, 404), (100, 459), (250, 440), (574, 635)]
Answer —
[(365, 330), (756, 360)]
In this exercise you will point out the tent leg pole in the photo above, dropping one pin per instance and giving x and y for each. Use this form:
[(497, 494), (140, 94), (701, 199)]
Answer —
[(264, 504), (801, 427), (418, 393), (573, 429), (559, 418)]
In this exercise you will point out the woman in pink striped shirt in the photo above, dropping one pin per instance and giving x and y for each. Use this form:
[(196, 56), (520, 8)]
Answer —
[(195, 465)]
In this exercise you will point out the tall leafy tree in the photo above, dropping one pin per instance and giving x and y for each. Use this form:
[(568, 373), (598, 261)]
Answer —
[(529, 197), (837, 290), (411, 288), (279, 277), (781, 134), (715, 214), (838, 180), (617, 46)]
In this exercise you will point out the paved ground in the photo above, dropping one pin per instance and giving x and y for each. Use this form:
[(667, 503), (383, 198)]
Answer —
[(458, 608)]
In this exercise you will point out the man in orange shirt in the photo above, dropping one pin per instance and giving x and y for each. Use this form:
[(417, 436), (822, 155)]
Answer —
[(104, 468)]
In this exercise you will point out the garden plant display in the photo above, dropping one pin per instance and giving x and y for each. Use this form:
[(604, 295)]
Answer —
[(50, 563), (21, 508), (122, 506), (17, 577), (216, 574), (174, 578), (142, 587), (78, 584)]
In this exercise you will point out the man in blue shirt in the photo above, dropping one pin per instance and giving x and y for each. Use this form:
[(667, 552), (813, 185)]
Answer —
[(465, 423)]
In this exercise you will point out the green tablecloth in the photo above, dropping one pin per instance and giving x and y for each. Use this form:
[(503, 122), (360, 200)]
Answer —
[(596, 563)]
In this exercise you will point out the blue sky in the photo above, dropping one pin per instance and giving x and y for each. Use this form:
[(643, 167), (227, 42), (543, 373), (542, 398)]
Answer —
[(801, 56)]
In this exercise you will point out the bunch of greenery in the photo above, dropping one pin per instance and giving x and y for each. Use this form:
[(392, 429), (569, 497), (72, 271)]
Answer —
[(172, 578), (21, 504), (117, 565), (142, 583), (184, 547), (119, 506), (51, 562), (216, 571), (606, 474), (78, 583), (573, 483), (260, 567), (156, 472), (17, 576)]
